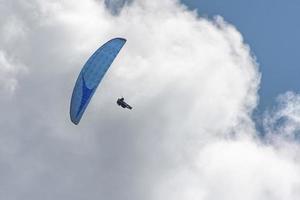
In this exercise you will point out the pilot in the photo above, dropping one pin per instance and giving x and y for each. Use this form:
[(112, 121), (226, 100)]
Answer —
[(123, 104)]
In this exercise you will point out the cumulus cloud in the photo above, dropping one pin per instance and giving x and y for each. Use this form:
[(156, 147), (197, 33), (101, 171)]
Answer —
[(193, 85), (235, 170)]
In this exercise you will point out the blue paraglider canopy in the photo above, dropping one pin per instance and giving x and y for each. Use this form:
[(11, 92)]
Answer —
[(91, 76)]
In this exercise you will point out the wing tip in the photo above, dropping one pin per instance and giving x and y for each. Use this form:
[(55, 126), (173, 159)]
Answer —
[(75, 122), (119, 38)]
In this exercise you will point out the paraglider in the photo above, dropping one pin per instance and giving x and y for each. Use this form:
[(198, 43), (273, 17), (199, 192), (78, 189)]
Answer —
[(123, 104), (91, 76)]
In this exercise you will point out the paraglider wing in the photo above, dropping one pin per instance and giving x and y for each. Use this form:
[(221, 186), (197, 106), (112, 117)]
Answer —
[(91, 75)]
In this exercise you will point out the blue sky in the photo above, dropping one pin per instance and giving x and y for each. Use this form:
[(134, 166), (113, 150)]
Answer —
[(272, 29)]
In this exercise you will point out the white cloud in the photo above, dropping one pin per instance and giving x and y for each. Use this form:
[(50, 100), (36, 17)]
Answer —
[(235, 170), (8, 74), (193, 85)]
